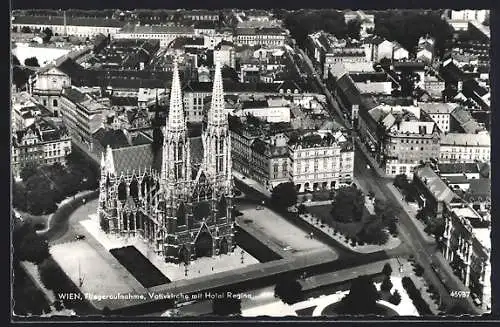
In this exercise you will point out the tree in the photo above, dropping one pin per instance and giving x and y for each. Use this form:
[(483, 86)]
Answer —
[(19, 199), (348, 204), (401, 181), (354, 29), (25, 29), (395, 298), (373, 231), (284, 195), (386, 284), (30, 246), (388, 213), (288, 290), (387, 270), (32, 62), (19, 76), (29, 170), (435, 226), (15, 61), (362, 297), (47, 35), (226, 305), (419, 270), (301, 209)]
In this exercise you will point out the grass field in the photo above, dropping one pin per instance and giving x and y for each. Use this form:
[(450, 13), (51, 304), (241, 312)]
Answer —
[(139, 266)]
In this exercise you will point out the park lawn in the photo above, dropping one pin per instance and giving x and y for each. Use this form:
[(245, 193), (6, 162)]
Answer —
[(139, 266), (38, 222), (350, 230)]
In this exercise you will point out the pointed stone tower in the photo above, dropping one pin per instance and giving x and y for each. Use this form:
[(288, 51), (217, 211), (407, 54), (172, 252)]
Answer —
[(176, 169), (216, 137)]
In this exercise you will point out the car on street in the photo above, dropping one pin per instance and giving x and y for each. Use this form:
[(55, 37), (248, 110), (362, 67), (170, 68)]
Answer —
[(80, 237), (259, 208)]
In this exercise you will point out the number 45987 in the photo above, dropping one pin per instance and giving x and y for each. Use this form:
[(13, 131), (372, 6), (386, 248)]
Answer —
[(460, 294)]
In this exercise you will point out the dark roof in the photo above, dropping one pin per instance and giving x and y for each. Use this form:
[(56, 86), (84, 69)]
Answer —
[(114, 138), (71, 21), (223, 42), (480, 187), (453, 168), (193, 86), (254, 104), (414, 65), (141, 157), (349, 90), (204, 25), (369, 76), (127, 83), (128, 159), (74, 95), (181, 42)]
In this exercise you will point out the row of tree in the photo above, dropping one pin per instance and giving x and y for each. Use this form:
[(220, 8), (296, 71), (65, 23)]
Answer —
[(348, 207)]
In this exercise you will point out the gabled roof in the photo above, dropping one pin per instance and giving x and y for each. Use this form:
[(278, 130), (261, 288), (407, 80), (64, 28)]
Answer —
[(141, 156), (128, 159), (115, 138), (439, 190)]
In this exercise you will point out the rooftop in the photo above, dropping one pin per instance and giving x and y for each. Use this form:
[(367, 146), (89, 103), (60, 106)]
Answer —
[(465, 139), (438, 188), (157, 29), (71, 21), (437, 107), (453, 168)]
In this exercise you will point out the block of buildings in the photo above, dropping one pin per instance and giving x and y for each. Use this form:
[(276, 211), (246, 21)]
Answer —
[(82, 114), (164, 33), (465, 147), (42, 143), (67, 25), (270, 36), (400, 137)]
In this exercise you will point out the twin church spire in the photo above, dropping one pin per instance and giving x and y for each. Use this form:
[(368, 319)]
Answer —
[(176, 165)]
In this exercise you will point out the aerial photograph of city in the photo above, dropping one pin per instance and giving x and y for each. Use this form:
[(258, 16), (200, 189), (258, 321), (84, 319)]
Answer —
[(205, 163)]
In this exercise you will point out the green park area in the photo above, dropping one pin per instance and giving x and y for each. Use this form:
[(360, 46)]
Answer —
[(42, 187)]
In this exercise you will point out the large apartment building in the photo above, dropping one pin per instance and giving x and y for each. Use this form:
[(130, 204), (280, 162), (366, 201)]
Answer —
[(41, 143)]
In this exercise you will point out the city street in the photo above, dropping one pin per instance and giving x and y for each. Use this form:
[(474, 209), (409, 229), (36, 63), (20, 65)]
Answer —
[(370, 179)]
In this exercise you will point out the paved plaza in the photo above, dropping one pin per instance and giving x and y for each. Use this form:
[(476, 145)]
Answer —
[(281, 232), (95, 272), (201, 267)]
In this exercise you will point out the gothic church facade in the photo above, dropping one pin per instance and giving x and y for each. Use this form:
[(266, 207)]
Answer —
[(184, 209)]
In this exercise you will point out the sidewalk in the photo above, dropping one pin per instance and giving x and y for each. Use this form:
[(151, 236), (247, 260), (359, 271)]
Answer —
[(368, 156), (411, 213), (251, 183), (392, 242)]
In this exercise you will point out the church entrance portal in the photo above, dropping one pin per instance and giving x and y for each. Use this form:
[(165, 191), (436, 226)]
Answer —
[(183, 255), (223, 246), (203, 245)]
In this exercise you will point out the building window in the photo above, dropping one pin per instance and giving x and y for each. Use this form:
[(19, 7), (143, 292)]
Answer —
[(54, 103)]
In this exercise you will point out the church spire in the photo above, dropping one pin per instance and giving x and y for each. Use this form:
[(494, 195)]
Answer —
[(175, 121), (175, 154), (217, 115)]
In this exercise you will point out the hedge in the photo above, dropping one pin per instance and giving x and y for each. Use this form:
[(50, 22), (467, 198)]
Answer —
[(416, 297)]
